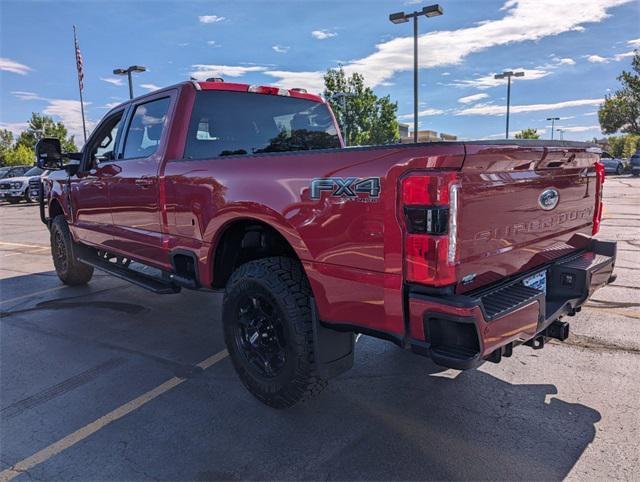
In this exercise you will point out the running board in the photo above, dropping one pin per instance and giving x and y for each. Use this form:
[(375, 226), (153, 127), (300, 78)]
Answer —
[(156, 285)]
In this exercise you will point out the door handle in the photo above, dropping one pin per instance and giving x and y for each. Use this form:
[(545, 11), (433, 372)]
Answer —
[(144, 183)]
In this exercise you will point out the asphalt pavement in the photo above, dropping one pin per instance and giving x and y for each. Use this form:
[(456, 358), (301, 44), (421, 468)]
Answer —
[(111, 382)]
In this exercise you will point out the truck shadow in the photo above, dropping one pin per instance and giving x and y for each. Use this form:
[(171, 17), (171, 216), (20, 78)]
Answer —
[(394, 416), (395, 419)]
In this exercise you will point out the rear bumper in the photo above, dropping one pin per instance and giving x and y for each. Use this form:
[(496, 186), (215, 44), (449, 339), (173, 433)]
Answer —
[(462, 331)]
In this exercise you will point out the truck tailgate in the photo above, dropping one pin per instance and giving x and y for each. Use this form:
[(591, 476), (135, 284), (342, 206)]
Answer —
[(521, 205)]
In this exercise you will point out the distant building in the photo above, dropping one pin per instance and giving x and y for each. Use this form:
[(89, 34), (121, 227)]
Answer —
[(404, 129), (427, 136)]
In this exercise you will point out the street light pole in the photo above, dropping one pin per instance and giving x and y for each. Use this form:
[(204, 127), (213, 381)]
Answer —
[(415, 79), (553, 121), (128, 71), (401, 17), (508, 74)]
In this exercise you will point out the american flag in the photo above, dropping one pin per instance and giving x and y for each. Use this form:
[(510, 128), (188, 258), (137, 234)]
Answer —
[(79, 65)]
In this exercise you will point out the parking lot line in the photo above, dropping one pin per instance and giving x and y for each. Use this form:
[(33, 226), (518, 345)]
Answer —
[(22, 245), (91, 428), (18, 298)]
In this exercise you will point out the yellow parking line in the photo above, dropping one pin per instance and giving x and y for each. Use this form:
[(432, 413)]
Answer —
[(6, 243), (91, 428), (32, 294)]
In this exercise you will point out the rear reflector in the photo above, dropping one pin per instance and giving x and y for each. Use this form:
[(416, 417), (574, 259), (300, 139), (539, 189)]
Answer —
[(426, 260), (597, 213)]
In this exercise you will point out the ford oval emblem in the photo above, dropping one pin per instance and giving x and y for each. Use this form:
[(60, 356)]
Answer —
[(549, 199)]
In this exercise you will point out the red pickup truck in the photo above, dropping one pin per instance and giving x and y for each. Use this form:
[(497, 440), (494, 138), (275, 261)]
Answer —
[(459, 251)]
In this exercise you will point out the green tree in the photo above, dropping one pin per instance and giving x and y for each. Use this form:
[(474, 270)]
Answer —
[(6, 143), (631, 144), (621, 111), (616, 145), (623, 146), (20, 155), (40, 122), (529, 133), (364, 117)]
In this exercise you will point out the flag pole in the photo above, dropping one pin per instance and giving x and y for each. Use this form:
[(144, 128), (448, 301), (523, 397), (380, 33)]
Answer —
[(80, 69)]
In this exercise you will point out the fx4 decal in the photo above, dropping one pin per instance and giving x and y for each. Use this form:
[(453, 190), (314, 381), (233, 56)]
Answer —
[(349, 187)]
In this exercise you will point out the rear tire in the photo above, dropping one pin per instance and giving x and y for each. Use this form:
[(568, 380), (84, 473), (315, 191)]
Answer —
[(70, 271), (619, 170), (268, 331)]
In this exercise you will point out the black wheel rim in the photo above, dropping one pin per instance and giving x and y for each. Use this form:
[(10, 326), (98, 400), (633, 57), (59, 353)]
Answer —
[(60, 251), (259, 335)]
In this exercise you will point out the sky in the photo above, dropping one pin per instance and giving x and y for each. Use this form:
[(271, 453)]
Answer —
[(571, 52)]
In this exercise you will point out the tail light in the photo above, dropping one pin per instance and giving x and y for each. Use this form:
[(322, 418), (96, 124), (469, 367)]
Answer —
[(597, 213), (430, 207)]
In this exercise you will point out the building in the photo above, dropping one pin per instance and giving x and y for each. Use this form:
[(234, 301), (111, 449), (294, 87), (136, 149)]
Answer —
[(426, 136), (404, 129)]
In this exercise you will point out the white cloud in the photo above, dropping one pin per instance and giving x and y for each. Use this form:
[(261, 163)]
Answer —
[(488, 81), (580, 128), (597, 59), (22, 95), (422, 113), (281, 49), (210, 18), (323, 34), (110, 105), (623, 55), (150, 86), (445, 74), (311, 81), (15, 127), (204, 71), (566, 61), (634, 42), (472, 98), (112, 80), (213, 43), (492, 109), (68, 111), (522, 20), (9, 65)]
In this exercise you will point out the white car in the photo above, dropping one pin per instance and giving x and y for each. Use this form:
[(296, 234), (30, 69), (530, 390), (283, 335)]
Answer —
[(16, 189)]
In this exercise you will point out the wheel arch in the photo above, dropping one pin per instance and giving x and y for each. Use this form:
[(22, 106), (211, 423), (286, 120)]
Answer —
[(55, 208), (246, 238)]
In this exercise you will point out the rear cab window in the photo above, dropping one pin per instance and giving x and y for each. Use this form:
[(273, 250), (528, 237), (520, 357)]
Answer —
[(226, 123)]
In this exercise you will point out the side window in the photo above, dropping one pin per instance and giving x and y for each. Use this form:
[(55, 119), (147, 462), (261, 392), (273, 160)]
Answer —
[(145, 129), (102, 146)]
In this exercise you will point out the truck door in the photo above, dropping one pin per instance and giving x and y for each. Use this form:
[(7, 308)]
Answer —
[(134, 189), (89, 188)]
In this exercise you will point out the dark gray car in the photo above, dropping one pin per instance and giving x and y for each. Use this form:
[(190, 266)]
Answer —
[(13, 171), (634, 164)]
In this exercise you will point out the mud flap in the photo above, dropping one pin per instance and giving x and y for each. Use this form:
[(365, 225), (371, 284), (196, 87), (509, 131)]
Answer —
[(334, 349)]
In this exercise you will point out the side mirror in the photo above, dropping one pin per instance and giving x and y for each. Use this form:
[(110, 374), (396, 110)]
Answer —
[(49, 154)]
